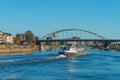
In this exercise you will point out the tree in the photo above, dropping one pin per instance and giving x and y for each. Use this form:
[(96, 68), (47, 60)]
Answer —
[(16, 40), (30, 37), (28, 32)]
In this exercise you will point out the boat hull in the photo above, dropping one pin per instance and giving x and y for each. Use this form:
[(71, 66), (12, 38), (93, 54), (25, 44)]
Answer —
[(71, 54), (70, 50)]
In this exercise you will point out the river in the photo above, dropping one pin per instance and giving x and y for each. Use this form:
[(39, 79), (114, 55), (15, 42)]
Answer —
[(47, 65)]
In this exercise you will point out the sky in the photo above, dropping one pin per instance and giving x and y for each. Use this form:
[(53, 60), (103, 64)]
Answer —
[(46, 16)]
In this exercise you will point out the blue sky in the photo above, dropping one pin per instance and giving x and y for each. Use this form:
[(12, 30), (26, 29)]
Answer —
[(45, 16)]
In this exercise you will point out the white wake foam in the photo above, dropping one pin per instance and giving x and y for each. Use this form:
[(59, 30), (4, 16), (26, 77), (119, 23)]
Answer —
[(61, 56)]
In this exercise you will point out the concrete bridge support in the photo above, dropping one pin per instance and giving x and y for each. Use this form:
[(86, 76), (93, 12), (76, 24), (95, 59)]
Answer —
[(42, 46)]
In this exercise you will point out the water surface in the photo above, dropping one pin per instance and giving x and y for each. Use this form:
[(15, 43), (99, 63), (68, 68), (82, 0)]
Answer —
[(46, 65)]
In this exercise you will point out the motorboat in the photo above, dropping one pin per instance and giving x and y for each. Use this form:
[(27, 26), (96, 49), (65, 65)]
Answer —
[(71, 50)]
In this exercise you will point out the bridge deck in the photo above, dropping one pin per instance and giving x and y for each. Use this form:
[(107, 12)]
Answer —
[(64, 40)]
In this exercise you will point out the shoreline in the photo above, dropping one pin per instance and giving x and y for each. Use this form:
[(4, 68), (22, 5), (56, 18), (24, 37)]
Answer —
[(10, 51)]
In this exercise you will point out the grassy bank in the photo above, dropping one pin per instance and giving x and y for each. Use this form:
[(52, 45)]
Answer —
[(54, 46)]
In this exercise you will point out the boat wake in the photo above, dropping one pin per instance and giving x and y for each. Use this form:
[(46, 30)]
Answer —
[(61, 56), (30, 61)]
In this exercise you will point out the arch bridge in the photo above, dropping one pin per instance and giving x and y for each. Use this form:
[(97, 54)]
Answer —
[(72, 33), (75, 35)]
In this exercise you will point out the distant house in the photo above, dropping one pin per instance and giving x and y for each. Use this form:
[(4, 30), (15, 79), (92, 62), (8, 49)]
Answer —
[(116, 43), (6, 37)]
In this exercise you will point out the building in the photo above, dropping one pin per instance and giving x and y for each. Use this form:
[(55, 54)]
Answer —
[(52, 37), (73, 42), (6, 37), (1, 37), (21, 37)]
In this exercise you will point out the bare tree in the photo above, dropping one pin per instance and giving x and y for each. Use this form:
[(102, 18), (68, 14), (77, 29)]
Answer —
[(30, 37)]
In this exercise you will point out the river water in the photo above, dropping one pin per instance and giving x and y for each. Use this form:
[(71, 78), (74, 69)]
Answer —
[(47, 65)]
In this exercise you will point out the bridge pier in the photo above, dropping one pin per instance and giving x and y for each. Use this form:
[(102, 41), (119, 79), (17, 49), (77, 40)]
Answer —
[(42, 46)]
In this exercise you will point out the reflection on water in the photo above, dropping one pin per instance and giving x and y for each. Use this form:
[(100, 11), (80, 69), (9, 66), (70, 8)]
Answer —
[(71, 67), (47, 65)]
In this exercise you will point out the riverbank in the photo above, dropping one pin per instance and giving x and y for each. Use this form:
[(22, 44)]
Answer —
[(7, 51), (113, 47), (11, 49)]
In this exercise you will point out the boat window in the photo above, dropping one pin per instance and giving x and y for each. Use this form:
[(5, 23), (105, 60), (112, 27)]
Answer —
[(66, 48), (68, 44)]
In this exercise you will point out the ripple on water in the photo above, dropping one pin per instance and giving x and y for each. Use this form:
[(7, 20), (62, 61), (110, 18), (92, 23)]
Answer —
[(97, 65)]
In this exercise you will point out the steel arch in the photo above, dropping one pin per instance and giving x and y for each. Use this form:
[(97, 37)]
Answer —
[(55, 32)]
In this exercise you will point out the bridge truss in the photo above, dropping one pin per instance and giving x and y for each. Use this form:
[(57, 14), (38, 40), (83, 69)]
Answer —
[(72, 34)]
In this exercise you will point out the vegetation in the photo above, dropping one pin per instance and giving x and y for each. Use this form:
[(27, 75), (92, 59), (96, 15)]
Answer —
[(30, 37), (54, 46), (112, 46), (16, 41)]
